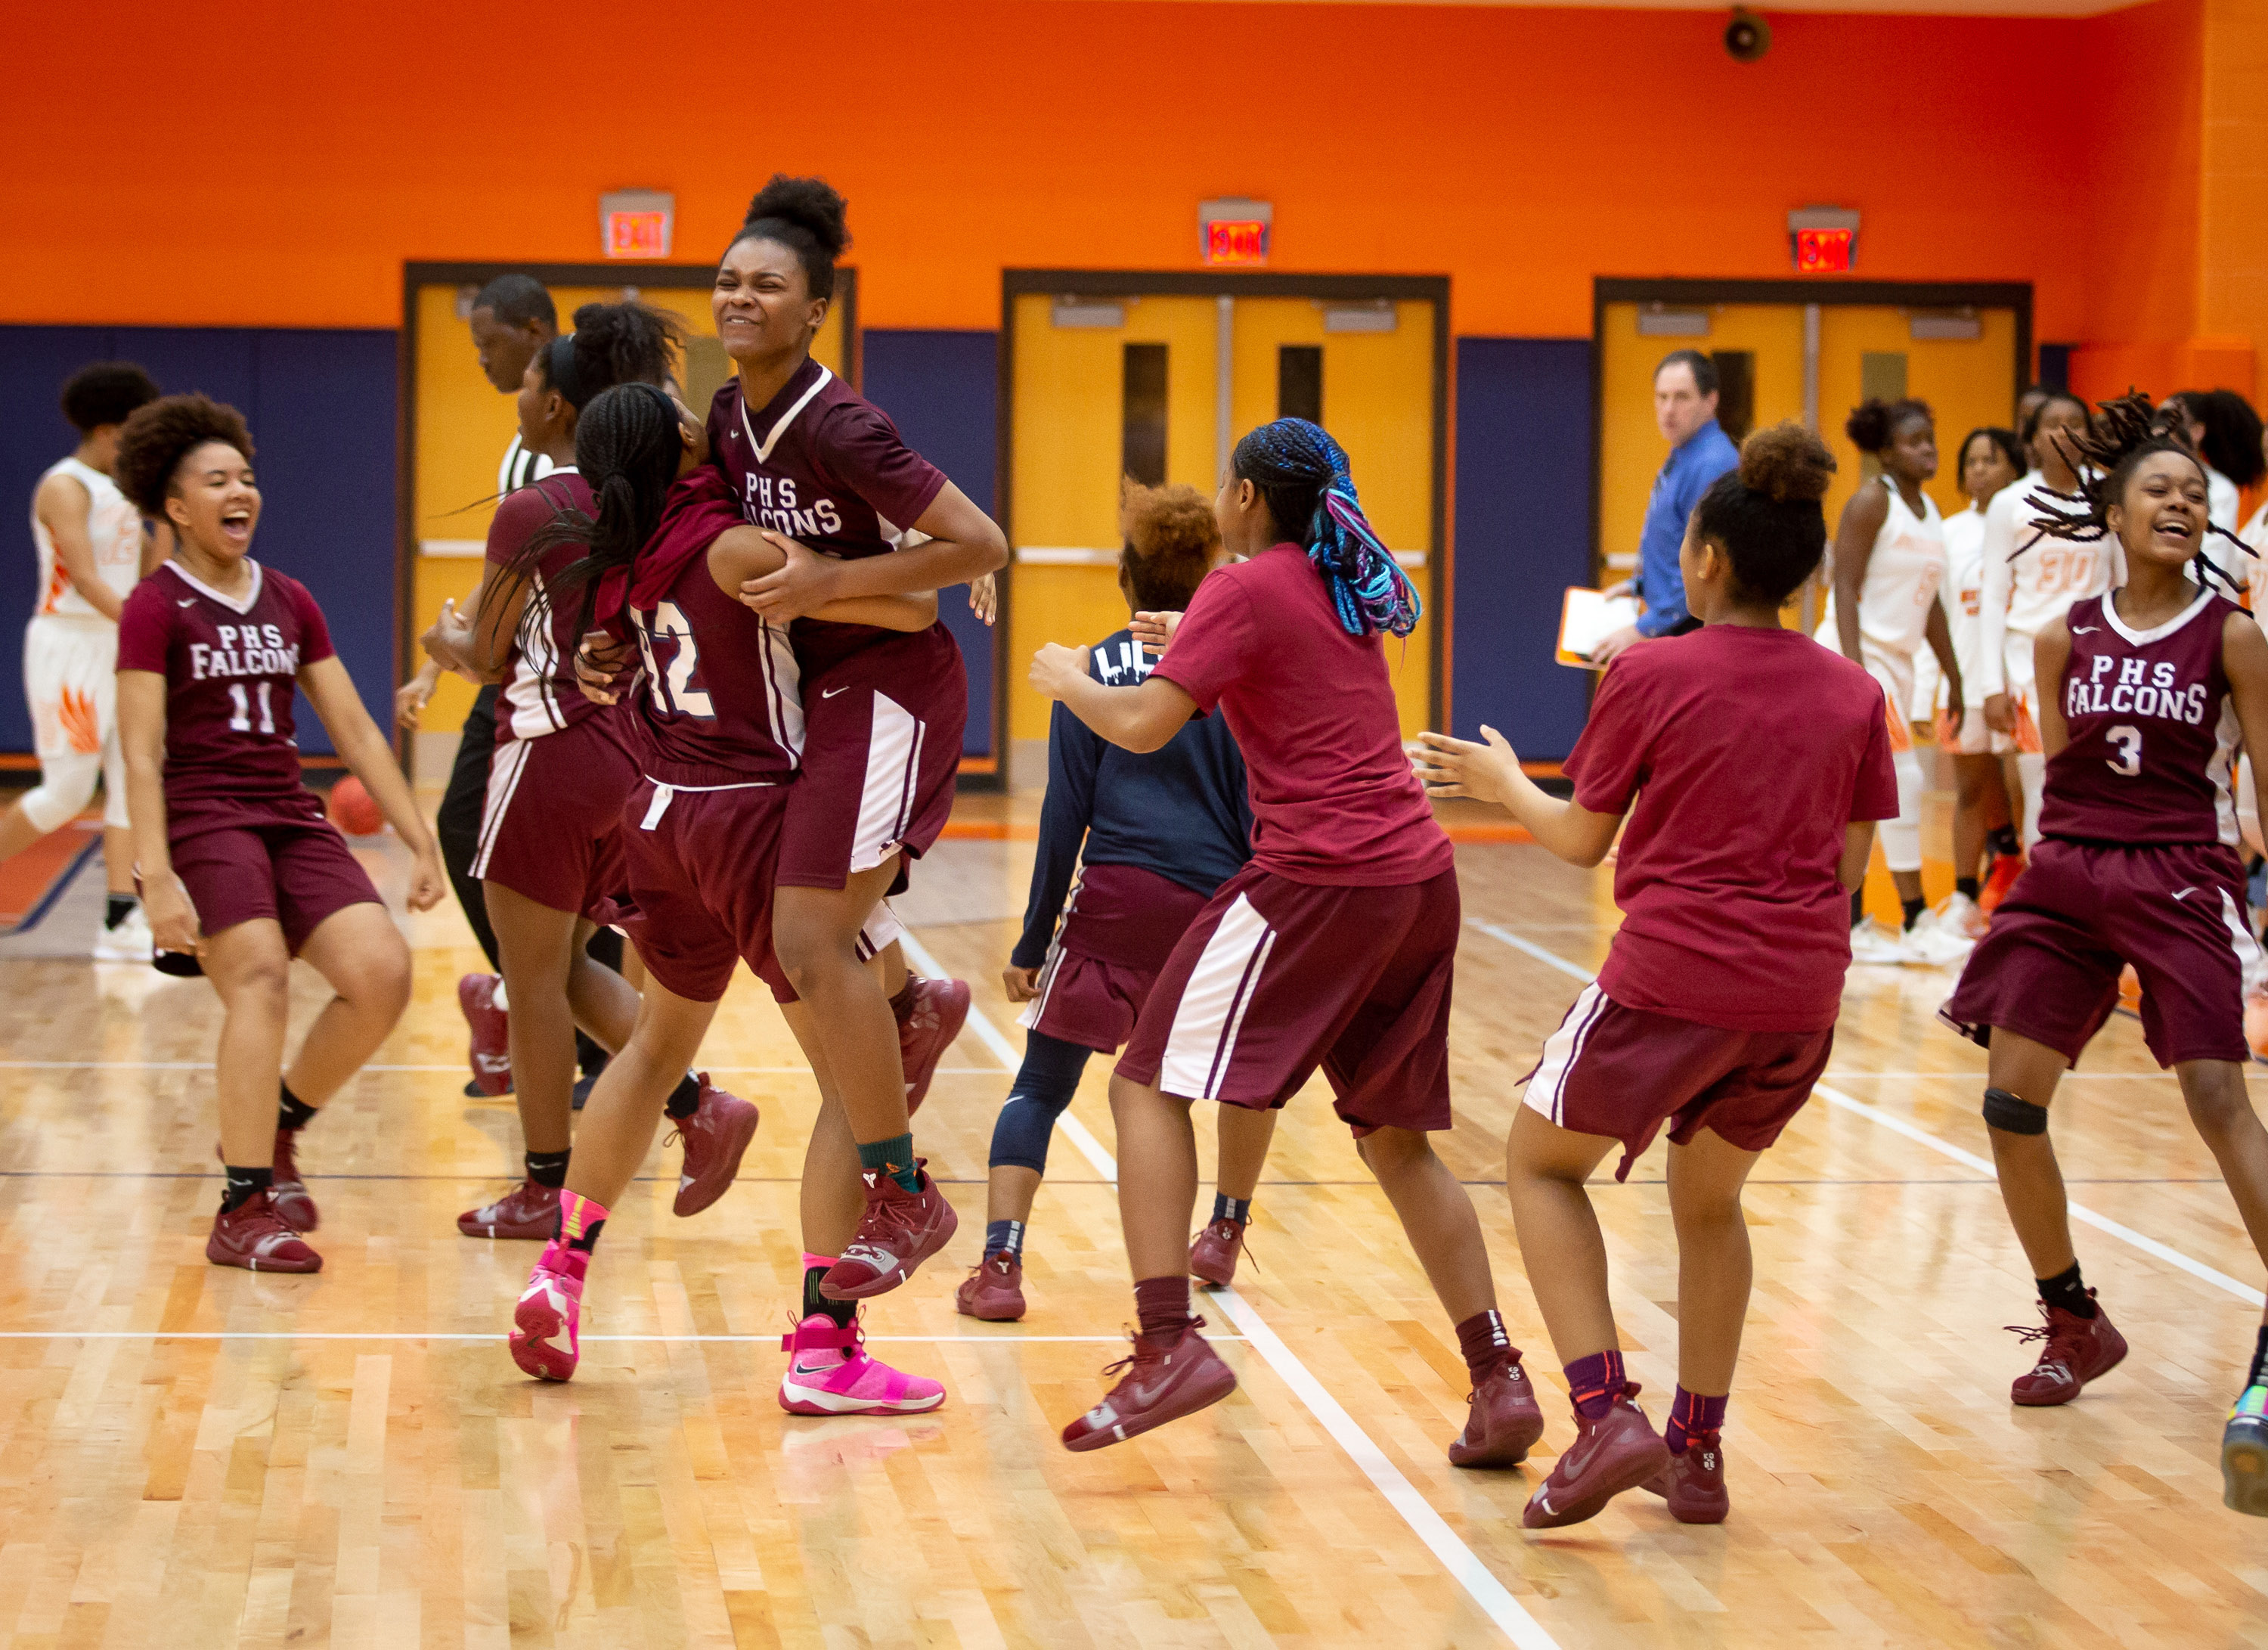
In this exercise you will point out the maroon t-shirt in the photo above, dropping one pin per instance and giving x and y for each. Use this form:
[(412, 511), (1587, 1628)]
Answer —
[(1747, 751), (823, 465), (1334, 802), (229, 666), (720, 698), (539, 695), (2152, 757)]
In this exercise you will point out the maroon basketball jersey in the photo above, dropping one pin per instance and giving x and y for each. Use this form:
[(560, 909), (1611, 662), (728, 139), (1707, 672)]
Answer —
[(2154, 735), (720, 697), (823, 465), (538, 694), (230, 665)]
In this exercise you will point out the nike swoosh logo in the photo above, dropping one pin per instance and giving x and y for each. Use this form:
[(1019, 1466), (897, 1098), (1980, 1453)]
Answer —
[(831, 692), (190, 602), (2084, 630), (2184, 894)]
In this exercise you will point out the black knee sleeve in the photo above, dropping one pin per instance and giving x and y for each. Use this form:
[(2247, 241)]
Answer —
[(2004, 1111), (1044, 1086)]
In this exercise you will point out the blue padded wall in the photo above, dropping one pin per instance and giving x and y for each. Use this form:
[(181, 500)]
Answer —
[(1523, 511), (321, 405)]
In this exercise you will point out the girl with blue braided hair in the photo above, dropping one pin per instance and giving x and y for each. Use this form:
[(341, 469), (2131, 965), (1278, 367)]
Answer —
[(1334, 948)]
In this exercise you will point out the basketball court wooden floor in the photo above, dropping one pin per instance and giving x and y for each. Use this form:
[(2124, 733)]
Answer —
[(193, 1456)]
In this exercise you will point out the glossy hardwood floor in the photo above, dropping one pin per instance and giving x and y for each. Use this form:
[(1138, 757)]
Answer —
[(191, 1456)]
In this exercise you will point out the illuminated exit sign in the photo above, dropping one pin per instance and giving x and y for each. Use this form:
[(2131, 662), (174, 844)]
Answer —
[(1824, 240), (1235, 232), (636, 222)]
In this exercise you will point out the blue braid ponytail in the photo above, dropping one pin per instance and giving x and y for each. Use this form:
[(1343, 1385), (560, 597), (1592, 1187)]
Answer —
[(1305, 478)]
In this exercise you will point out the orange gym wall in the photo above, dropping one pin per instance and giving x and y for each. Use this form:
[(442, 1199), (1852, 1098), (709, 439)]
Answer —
[(271, 165)]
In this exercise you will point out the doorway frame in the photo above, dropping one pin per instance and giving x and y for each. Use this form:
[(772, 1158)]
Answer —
[(1798, 290), (626, 273), (1434, 288)]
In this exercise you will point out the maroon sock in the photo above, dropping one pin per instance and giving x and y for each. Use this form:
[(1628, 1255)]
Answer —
[(1482, 1339), (1690, 1413), (1161, 1304), (1593, 1383)]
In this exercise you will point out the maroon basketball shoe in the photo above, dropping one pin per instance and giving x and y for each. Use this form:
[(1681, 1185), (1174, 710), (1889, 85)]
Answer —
[(491, 1045), (1693, 1483), (254, 1236), (1619, 1451), (716, 1136), (1214, 1252), (930, 1020), (1166, 1379), (287, 1191), (899, 1231), (1505, 1420), (527, 1210), (2078, 1350), (994, 1292)]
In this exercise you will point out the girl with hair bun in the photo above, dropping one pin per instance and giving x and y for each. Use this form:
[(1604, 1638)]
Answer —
[(826, 477), (2147, 695), (1751, 766), (1152, 837), (549, 857), (1888, 562), (1335, 947)]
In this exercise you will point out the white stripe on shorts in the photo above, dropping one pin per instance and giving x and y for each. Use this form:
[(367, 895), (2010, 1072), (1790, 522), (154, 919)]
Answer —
[(504, 768), (892, 765), (1547, 1090), (1200, 1045), (2251, 966)]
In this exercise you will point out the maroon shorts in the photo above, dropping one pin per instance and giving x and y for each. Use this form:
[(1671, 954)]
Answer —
[(701, 864), (1120, 925), (551, 829), (1276, 977), (296, 873), (2048, 968), (881, 751), (1626, 1071)]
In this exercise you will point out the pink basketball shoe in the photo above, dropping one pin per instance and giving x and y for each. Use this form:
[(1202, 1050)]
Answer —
[(551, 1307), (829, 1373)]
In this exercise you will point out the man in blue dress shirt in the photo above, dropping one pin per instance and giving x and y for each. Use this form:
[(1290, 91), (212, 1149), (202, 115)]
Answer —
[(1685, 410)]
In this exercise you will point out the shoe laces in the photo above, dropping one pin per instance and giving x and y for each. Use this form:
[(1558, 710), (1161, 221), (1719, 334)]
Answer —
[(2048, 1329), (1236, 1230), (1147, 1351)]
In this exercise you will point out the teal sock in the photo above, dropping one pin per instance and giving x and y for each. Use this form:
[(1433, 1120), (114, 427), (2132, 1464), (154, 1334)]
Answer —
[(895, 1157)]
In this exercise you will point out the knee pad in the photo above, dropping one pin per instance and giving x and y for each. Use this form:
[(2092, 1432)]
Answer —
[(1902, 836), (1044, 1087), (2032, 768), (113, 786), (2011, 1116), (66, 786)]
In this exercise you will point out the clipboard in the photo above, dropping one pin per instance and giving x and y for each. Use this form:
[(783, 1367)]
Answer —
[(1586, 618)]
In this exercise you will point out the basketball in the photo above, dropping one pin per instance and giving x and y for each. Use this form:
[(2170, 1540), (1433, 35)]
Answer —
[(352, 811)]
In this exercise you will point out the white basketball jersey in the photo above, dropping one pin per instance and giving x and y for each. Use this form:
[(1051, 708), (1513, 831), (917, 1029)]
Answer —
[(1903, 576), (114, 527)]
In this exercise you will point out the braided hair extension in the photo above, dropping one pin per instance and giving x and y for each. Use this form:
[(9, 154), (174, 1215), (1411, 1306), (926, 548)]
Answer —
[(1304, 478), (626, 447), (2121, 434)]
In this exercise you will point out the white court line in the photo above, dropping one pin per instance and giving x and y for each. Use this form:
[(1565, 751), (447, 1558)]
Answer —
[(2080, 1212), (206, 1065), (414, 1335), (1479, 1582), (2255, 1069)]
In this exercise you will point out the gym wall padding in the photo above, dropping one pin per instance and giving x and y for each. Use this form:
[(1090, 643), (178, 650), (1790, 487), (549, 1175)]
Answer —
[(941, 388), (1523, 534), (321, 406)]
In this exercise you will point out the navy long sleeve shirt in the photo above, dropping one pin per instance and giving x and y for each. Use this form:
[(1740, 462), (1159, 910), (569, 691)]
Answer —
[(1182, 811), (1708, 453)]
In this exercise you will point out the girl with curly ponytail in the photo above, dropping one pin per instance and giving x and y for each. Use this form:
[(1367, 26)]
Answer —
[(1335, 947)]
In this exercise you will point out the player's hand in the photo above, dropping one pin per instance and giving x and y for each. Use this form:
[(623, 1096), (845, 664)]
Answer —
[(411, 697), (1620, 591), (1055, 668), (984, 598), (807, 583), (173, 918), (599, 663), (2000, 713), (1616, 645), (1458, 767), (1955, 713), (428, 882), (1022, 984), (1155, 631)]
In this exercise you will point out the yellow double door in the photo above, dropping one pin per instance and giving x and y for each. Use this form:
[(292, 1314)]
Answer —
[(1105, 387)]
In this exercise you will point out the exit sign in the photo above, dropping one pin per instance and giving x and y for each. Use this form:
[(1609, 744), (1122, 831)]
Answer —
[(1823, 239), (636, 222), (1235, 232)]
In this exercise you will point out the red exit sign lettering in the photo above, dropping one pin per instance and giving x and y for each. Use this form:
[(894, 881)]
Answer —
[(636, 222), (1822, 251), (1229, 240)]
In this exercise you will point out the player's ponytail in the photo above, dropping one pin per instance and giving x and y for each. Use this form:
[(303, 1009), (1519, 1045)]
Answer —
[(628, 342), (1766, 516), (628, 445), (1172, 538), (1303, 476), (2120, 435), (806, 216)]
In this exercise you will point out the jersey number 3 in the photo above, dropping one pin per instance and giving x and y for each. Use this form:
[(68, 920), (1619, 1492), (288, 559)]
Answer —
[(2127, 739), (676, 690)]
